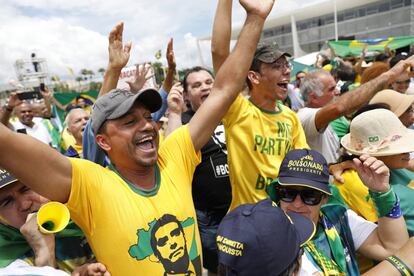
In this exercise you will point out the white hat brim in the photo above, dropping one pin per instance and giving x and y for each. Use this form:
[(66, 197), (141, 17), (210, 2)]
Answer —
[(403, 145)]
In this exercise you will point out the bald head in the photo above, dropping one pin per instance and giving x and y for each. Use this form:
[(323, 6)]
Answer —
[(76, 122)]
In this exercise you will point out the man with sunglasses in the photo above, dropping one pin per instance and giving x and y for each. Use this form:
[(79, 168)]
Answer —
[(303, 187)]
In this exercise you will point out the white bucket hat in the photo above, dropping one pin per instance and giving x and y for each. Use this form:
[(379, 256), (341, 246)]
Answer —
[(378, 132)]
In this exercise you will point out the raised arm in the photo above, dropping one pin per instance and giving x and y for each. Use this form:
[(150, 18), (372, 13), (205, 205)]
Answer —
[(7, 110), (391, 233), (47, 96), (118, 58), (171, 72), (175, 108), (360, 96), (36, 164), (231, 77), (220, 40)]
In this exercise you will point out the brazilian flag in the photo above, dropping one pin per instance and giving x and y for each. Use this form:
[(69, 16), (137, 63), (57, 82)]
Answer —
[(297, 66), (345, 48), (66, 98)]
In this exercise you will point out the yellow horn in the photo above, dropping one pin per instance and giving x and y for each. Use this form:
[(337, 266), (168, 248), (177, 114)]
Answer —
[(52, 217)]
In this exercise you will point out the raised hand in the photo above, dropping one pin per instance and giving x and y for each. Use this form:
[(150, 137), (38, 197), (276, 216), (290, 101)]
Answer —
[(170, 55), (260, 8), (118, 53), (400, 68), (140, 78), (13, 100), (373, 173), (175, 99), (46, 94)]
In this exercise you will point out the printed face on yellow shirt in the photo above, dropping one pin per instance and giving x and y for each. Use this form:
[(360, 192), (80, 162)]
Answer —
[(170, 242)]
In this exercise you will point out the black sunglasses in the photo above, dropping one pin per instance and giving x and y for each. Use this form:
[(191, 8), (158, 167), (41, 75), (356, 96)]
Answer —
[(309, 196)]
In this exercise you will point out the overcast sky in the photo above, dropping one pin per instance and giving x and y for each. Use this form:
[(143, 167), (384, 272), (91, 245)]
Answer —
[(73, 34)]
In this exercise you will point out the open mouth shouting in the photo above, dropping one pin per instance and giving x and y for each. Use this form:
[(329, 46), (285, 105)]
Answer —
[(146, 143), (283, 85)]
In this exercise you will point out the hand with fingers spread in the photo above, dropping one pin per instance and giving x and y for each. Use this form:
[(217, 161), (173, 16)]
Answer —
[(175, 99), (373, 173), (259, 8), (92, 269), (118, 53), (140, 78)]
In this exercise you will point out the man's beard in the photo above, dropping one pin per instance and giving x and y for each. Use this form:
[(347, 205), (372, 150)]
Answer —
[(179, 266)]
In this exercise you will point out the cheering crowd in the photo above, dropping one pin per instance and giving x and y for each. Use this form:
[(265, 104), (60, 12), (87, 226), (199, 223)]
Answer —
[(241, 172)]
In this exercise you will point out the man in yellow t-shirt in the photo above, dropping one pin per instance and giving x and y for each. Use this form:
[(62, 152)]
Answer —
[(257, 141), (142, 210), (131, 212), (259, 130)]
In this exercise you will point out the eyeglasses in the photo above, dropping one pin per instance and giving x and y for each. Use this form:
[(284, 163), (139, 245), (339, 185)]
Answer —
[(309, 196), (283, 65)]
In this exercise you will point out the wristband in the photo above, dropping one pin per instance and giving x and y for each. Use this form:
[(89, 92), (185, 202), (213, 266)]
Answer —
[(396, 211), (384, 202), (400, 265)]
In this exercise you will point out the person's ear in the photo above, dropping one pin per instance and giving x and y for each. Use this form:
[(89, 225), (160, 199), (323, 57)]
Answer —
[(70, 132), (325, 199), (312, 97), (253, 77), (104, 142)]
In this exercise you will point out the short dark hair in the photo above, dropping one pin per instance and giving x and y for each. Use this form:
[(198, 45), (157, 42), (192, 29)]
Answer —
[(299, 72), (381, 57), (344, 73), (255, 67), (80, 97), (193, 70), (369, 107), (397, 59), (164, 220)]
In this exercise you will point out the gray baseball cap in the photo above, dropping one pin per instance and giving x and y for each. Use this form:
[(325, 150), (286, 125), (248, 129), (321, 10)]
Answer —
[(268, 52), (118, 102)]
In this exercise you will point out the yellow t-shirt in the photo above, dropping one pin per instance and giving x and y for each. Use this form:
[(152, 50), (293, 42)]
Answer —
[(257, 141), (138, 232), (356, 195)]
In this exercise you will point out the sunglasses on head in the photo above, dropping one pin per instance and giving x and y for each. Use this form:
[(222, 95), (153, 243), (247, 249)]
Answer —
[(308, 196)]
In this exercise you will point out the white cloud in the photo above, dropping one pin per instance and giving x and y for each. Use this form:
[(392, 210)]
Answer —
[(74, 33)]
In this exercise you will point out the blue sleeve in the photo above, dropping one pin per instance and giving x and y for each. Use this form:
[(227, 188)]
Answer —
[(90, 149), (156, 116)]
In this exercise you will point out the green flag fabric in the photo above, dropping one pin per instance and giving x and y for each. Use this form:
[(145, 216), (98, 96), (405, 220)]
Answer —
[(297, 66), (345, 48), (67, 98), (13, 245)]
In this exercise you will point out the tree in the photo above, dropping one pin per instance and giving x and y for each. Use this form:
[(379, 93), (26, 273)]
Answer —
[(159, 72)]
